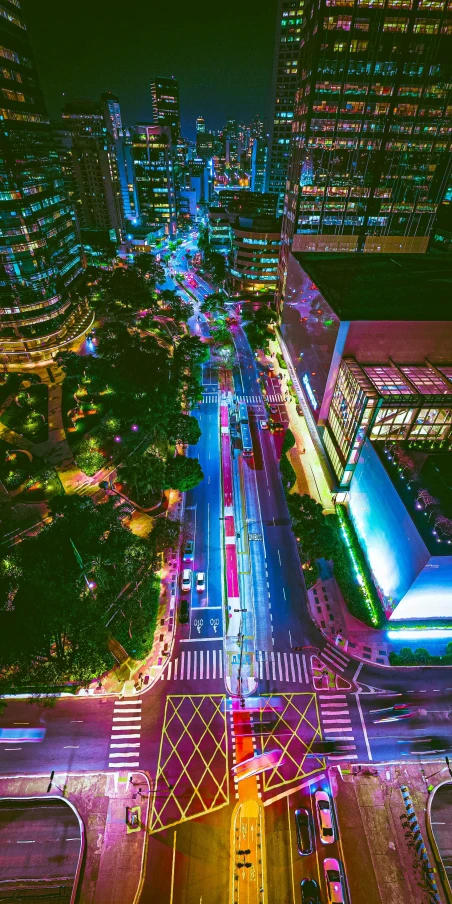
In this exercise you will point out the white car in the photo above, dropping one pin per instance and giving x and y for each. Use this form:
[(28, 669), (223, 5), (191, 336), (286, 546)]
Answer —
[(263, 425), (186, 580), (324, 817), (200, 581), (333, 880)]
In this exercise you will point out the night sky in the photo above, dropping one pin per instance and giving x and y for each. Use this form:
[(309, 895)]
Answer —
[(222, 54)]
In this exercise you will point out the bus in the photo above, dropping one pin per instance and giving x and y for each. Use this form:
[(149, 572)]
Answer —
[(27, 735), (243, 413), (247, 444)]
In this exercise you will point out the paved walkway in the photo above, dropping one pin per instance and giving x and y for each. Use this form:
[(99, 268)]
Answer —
[(115, 859)]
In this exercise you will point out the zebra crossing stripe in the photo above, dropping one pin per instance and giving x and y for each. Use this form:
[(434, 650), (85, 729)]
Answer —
[(292, 668), (332, 661), (298, 668), (201, 663), (214, 672)]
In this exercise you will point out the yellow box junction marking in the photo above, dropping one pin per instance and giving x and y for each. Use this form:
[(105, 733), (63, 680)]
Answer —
[(192, 776), (294, 728)]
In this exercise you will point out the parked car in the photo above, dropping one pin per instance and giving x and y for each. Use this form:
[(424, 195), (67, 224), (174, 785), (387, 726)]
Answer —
[(309, 892), (305, 833), (184, 612), (333, 880), (188, 549), (200, 581), (324, 817), (186, 580)]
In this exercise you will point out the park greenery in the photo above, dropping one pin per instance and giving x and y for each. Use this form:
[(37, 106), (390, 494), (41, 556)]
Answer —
[(406, 656), (258, 327), (68, 593)]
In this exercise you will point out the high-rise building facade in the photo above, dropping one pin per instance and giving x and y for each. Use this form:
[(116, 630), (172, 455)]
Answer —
[(371, 144), (165, 105), (259, 154), (285, 83), (154, 172), (39, 246), (95, 167)]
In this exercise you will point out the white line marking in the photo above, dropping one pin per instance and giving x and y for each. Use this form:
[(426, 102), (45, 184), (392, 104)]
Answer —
[(358, 703), (305, 668)]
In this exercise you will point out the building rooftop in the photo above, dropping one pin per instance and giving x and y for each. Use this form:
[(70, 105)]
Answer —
[(382, 286)]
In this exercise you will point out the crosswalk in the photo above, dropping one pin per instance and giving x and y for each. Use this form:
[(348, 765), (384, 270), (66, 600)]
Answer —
[(195, 665), (125, 734), (274, 398), (209, 397), (337, 725), (333, 658), (289, 667)]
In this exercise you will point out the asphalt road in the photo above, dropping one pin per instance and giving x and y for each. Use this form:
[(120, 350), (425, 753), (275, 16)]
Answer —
[(39, 842), (181, 725)]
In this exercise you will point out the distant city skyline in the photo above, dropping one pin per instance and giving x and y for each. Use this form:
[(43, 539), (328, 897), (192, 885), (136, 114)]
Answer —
[(212, 64)]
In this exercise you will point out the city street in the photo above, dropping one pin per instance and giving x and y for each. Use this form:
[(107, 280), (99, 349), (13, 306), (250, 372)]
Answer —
[(308, 690)]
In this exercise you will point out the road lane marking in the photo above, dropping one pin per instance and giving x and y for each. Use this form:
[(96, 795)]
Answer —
[(332, 661), (77, 720), (286, 666), (71, 747), (363, 724), (334, 712), (127, 718), (112, 755), (118, 737), (352, 756), (278, 656), (332, 697), (331, 705), (128, 702), (12, 748), (21, 723), (336, 721), (128, 765), (124, 745), (25, 842), (298, 668), (173, 867), (305, 668)]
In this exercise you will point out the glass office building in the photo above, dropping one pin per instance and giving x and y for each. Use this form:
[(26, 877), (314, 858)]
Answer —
[(387, 402), (39, 245)]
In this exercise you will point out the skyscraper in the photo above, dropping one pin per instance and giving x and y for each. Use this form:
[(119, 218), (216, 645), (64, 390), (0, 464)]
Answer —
[(371, 156), (40, 251), (165, 105), (285, 81), (95, 165), (200, 125), (154, 169)]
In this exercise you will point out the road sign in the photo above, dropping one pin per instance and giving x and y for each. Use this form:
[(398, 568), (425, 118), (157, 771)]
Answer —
[(255, 536)]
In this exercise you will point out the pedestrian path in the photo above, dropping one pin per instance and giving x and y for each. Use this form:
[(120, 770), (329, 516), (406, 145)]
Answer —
[(286, 666), (331, 657), (249, 400), (209, 397), (125, 734), (337, 725), (195, 665)]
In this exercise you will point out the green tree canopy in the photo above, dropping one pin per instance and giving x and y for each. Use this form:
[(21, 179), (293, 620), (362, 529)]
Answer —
[(184, 429), (214, 304), (144, 473), (183, 473)]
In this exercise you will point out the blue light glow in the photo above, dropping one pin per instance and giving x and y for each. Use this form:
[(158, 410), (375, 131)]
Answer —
[(428, 634)]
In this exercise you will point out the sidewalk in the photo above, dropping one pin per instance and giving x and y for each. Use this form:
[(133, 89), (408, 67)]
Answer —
[(328, 610), (114, 861), (383, 857)]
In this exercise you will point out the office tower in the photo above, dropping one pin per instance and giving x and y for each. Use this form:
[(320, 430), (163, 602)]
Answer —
[(95, 167), (371, 159), (40, 251), (259, 156), (204, 144), (257, 127), (112, 114), (200, 125), (285, 82), (154, 172), (165, 105), (253, 259)]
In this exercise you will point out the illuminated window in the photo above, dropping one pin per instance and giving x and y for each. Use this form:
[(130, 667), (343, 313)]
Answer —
[(358, 46), (426, 26), (395, 25), (388, 380), (427, 381), (332, 22)]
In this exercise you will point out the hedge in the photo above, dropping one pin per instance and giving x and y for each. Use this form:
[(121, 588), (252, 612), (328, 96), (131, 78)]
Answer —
[(407, 656), (362, 600), (281, 361), (285, 466)]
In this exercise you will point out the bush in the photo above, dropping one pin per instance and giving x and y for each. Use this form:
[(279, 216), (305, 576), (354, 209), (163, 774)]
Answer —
[(408, 657), (362, 599), (281, 361)]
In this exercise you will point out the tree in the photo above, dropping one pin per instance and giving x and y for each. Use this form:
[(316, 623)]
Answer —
[(147, 265), (127, 291), (184, 429), (203, 239), (256, 326), (145, 474), (214, 304), (73, 365), (315, 532), (165, 533), (217, 265), (177, 308), (183, 473)]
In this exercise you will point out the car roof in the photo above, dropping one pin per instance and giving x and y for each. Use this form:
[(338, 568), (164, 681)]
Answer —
[(186, 572)]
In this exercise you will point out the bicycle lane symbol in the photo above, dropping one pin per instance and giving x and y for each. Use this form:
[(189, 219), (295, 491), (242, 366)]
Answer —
[(214, 623), (198, 623)]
